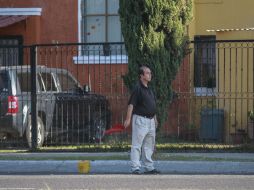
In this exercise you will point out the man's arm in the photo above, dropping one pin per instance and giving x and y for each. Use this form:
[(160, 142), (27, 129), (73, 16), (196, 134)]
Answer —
[(127, 121), (156, 121)]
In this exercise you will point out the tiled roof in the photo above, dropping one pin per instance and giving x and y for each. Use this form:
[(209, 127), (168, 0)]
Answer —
[(7, 20)]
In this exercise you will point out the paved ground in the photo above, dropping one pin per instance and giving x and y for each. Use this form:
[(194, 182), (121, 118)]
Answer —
[(234, 163), (126, 182)]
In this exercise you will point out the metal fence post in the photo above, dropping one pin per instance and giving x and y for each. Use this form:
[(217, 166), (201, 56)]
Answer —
[(33, 97)]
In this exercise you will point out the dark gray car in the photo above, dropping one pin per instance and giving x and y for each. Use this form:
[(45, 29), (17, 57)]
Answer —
[(67, 113)]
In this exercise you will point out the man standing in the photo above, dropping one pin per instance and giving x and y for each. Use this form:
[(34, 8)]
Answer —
[(142, 110)]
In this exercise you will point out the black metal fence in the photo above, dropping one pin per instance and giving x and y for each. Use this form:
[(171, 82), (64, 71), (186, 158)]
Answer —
[(222, 89), (74, 94)]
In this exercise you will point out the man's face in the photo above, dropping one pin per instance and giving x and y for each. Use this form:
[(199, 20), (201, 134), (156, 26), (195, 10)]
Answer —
[(147, 76)]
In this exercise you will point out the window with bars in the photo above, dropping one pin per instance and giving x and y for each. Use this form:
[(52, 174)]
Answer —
[(205, 61), (9, 54), (100, 23)]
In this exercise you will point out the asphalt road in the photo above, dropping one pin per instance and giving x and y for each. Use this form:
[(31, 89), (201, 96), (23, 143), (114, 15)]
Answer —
[(78, 182)]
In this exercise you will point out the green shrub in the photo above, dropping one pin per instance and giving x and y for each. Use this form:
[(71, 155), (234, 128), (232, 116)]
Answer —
[(154, 32)]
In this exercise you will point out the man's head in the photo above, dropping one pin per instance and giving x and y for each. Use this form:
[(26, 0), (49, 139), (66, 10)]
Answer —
[(145, 74)]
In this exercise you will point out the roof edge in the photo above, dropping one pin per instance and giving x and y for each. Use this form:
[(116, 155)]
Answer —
[(230, 29), (21, 11)]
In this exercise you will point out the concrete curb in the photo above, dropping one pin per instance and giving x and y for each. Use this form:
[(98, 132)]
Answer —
[(123, 167)]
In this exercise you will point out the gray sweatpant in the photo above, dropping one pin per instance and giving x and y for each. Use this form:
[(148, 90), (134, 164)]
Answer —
[(143, 141)]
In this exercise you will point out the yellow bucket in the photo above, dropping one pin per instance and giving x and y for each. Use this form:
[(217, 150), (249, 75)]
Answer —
[(84, 166)]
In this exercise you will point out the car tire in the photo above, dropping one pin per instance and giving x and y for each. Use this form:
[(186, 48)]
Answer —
[(40, 132)]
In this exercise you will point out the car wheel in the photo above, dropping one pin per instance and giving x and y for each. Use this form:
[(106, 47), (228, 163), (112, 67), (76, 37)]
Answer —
[(40, 132)]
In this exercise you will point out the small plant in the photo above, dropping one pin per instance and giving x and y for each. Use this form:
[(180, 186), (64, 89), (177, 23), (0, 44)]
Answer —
[(190, 126), (251, 115), (209, 104)]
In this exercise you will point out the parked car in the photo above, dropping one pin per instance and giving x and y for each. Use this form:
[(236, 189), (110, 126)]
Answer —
[(67, 113)]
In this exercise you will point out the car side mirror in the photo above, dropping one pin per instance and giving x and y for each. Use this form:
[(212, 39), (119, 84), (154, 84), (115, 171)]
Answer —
[(86, 88)]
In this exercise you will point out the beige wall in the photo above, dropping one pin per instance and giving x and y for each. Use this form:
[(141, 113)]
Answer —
[(234, 62), (223, 14)]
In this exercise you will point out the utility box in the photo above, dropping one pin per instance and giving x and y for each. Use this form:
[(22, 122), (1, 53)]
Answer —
[(212, 125)]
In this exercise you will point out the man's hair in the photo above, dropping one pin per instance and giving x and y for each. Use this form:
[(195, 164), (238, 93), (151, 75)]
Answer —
[(141, 69)]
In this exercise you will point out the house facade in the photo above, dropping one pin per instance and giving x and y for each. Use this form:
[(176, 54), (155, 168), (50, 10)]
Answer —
[(215, 74), (222, 71), (43, 21)]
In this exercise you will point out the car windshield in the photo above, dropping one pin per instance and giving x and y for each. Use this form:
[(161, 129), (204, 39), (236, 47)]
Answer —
[(67, 82)]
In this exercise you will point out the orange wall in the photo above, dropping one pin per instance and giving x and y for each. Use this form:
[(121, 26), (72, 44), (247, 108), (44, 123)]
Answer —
[(29, 29), (58, 21)]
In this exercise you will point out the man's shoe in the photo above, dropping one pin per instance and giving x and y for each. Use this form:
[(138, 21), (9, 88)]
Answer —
[(154, 171), (136, 172)]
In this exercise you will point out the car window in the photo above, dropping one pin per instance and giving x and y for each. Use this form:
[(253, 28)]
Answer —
[(3, 81), (40, 82), (49, 82), (24, 82), (66, 82)]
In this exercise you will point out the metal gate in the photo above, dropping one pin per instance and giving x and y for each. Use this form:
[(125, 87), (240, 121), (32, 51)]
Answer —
[(73, 93)]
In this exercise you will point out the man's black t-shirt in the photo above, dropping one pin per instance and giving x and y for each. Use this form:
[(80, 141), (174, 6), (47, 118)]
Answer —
[(143, 101)]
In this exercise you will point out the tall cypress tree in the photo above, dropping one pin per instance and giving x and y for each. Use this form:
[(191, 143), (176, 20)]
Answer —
[(154, 35)]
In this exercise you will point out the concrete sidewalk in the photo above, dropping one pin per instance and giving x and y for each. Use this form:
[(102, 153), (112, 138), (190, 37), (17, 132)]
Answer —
[(243, 163)]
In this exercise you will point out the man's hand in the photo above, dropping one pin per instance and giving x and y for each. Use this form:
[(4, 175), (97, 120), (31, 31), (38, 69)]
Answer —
[(127, 123), (156, 121)]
